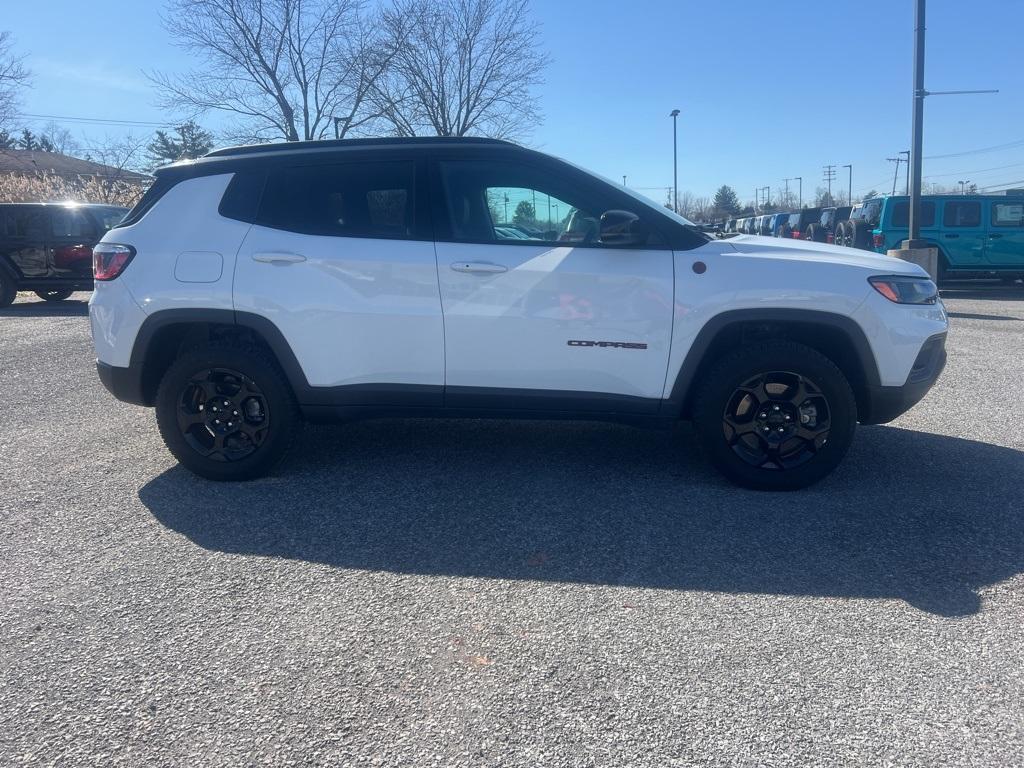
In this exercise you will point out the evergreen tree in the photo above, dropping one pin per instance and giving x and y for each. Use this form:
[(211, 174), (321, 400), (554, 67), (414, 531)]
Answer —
[(726, 201), (187, 142), (524, 213)]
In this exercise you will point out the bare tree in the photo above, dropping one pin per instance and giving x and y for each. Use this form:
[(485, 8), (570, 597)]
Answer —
[(59, 139), (288, 69), (121, 159), (14, 76), (464, 67)]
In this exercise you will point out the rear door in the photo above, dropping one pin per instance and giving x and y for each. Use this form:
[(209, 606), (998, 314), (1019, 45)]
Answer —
[(1005, 245), (964, 234), (341, 260), (559, 321), (72, 233), (23, 240)]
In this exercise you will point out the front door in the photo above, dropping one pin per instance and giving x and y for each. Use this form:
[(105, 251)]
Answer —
[(1005, 247), (539, 314)]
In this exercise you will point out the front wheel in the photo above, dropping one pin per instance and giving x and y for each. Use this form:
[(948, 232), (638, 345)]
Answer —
[(226, 413), (775, 416), (53, 295)]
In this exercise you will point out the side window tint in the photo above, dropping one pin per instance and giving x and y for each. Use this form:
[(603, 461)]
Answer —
[(962, 214), (71, 222), (343, 200), (1008, 214), (514, 203), (21, 222), (901, 214)]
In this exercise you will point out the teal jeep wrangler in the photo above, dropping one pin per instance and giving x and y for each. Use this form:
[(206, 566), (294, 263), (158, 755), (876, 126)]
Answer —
[(977, 235)]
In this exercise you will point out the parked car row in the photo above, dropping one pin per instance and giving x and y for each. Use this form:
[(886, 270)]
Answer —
[(977, 236)]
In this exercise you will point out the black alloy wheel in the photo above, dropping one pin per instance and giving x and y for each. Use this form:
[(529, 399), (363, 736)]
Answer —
[(776, 415), (776, 420), (227, 412), (223, 414)]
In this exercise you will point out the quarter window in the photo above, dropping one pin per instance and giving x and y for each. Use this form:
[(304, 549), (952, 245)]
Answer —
[(962, 214), (1008, 214), (344, 200), (71, 222)]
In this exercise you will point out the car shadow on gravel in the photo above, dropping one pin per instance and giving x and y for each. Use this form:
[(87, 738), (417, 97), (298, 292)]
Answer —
[(67, 308), (910, 515)]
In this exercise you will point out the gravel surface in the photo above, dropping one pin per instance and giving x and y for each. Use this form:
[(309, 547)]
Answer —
[(509, 593)]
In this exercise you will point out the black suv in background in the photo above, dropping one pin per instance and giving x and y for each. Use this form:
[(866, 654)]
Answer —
[(47, 247), (824, 229), (798, 223)]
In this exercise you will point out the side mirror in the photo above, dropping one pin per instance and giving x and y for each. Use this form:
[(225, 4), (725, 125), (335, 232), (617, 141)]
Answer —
[(622, 228)]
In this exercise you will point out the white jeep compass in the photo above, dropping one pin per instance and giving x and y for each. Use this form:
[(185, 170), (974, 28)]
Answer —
[(262, 285)]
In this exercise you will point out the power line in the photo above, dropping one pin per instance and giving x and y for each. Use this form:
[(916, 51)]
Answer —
[(980, 170), (996, 148), (1003, 184), (95, 120)]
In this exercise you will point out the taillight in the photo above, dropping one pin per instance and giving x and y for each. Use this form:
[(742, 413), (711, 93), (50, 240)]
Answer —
[(830, 238), (878, 241), (109, 260), (795, 234)]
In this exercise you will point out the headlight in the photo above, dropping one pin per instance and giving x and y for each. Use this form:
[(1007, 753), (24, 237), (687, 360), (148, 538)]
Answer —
[(903, 289)]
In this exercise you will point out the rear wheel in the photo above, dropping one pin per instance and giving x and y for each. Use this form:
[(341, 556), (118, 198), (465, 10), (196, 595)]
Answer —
[(842, 236), (775, 416), (53, 295), (815, 232), (226, 413), (860, 235)]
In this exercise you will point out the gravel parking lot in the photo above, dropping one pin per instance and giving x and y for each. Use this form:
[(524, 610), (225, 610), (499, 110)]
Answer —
[(509, 593)]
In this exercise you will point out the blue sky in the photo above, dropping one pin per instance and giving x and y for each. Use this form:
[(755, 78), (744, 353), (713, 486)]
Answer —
[(767, 90)]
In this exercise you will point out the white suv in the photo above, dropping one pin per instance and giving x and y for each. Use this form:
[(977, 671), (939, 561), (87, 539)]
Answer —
[(472, 277)]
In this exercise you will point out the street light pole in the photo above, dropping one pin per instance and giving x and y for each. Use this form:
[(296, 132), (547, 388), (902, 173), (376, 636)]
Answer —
[(914, 176), (801, 180), (849, 185), (675, 161), (623, 179)]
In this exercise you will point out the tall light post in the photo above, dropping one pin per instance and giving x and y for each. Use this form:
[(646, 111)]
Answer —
[(801, 180), (963, 184), (623, 179), (849, 185), (674, 114), (787, 188)]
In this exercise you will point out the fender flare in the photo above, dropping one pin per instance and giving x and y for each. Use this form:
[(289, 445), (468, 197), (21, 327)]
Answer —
[(675, 405)]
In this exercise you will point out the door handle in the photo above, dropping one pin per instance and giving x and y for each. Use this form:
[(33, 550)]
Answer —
[(951, 236), (481, 267), (278, 257), (995, 235)]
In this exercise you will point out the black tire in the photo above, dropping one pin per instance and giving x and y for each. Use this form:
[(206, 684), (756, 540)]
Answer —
[(815, 233), (8, 288), (842, 234), (811, 444), (250, 388), (53, 295), (860, 234)]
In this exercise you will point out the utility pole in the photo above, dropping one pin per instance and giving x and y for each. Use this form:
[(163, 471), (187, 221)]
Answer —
[(801, 180), (768, 195), (757, 191), (786, 181), (675, 161), (849, 185), (830, 174), (907, 161), (896, 175)]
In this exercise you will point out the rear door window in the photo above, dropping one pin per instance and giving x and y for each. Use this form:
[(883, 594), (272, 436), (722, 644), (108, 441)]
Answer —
[(1008, 214), (71, 223), (343, 200), (901, 214), (962, 213)]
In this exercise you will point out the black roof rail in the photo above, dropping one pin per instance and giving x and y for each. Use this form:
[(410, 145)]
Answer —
[(388, 141)]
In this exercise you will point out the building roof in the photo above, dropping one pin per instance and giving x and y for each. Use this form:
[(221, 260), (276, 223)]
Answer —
[(33, 161)]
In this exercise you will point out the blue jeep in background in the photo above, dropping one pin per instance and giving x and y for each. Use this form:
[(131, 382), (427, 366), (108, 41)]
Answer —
[(976, 235)]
